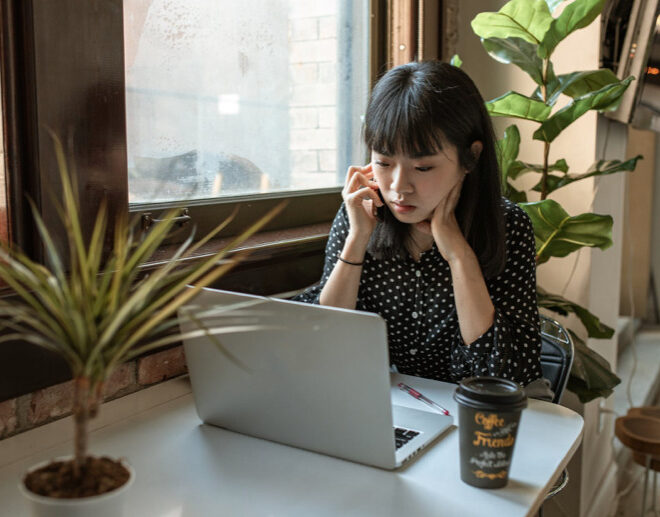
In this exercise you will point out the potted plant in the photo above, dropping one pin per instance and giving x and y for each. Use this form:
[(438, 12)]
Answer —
[(525, 33), (96, 312)]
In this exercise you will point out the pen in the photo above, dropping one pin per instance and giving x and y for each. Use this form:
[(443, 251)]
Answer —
[(416, 394)]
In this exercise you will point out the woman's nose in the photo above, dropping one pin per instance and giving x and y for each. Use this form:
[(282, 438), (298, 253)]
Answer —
[(401, 181)]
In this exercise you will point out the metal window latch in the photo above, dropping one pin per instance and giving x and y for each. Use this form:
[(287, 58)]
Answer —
[(180, 220)]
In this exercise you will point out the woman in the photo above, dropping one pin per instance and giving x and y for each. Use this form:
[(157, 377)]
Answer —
[(425, 239)]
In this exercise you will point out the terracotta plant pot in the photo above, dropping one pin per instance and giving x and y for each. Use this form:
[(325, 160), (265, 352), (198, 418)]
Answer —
[(109, 504)]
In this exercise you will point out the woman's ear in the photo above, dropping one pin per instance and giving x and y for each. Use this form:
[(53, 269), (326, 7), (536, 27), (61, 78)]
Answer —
[(475, 152), (476, 149)]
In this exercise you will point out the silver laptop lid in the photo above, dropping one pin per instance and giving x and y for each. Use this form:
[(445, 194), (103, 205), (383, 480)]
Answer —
[(314, 377)]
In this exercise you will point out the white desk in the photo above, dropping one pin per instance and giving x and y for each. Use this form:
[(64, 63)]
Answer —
[(188, 469)]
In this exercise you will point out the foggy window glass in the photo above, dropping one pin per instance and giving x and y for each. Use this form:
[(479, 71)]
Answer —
[(230, 97)]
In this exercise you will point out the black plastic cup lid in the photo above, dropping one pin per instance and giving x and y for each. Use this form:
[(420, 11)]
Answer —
[(490, 392)]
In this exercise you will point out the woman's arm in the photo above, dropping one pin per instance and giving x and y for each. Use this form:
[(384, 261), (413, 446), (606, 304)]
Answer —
[(474, 307), (341, 288), (511, 346), (360, 196)]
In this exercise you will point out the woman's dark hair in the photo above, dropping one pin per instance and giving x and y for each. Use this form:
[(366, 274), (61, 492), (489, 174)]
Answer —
[(416, 108)]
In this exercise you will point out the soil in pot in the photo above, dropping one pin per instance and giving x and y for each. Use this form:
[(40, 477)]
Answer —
[(98, 476)]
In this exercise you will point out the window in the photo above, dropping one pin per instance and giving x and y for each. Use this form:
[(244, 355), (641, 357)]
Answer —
[(63, 68), (229, 98)]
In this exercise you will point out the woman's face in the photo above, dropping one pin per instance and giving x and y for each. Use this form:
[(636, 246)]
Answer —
[(413, 187)]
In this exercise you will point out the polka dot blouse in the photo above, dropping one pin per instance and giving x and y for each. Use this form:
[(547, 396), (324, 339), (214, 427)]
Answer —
[(416, 299)]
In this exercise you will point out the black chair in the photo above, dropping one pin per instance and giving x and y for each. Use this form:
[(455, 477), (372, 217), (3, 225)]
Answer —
[(556, 361), (556, 356)]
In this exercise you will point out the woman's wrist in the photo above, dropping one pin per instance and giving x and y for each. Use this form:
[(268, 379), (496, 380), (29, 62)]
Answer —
[(355, 248), (461, 256)]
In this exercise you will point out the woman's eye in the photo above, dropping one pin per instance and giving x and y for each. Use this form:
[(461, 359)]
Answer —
[(423, 169), (381, 164)]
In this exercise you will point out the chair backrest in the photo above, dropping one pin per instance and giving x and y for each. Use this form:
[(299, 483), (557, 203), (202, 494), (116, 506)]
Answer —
[(556, 355)]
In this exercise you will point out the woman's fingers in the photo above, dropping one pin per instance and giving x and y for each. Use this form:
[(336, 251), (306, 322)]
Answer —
[(355, 170), (360, 184), (365, 193)]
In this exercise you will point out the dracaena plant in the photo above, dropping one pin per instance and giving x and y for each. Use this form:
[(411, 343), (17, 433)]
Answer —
[(98, 311), (525, 33)]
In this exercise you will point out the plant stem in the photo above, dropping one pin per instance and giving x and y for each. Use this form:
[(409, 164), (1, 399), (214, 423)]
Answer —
[(544, 173), (546, 147), (81, 405)]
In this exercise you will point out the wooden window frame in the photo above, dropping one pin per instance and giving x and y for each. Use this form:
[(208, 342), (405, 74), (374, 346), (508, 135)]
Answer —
[(62, 69)]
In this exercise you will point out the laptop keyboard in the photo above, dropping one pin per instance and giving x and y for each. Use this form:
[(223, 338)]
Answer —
[(403, 436)]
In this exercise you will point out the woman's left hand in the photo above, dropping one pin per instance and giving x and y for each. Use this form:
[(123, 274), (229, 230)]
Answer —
[(444, 227)]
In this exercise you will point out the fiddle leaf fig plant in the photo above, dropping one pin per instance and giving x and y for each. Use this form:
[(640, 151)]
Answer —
[(525, 33)]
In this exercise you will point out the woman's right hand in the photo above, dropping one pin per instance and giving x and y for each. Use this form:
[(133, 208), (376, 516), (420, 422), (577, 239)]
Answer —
[(361, 199)]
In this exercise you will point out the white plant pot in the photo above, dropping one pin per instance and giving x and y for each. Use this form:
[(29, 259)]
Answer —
[(110, 504)]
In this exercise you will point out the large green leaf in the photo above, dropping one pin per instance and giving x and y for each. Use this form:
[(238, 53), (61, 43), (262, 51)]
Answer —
[(518, 52), (600, 168), (519, 168), (560, 305), (513, 104), (529, 20), (507, 152), (591, 375), (577, 84), (602, 99), (557, 234), (576, 15), (517, 196)]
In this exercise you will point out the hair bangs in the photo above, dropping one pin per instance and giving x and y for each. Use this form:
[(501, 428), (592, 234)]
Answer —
[(400, 126)]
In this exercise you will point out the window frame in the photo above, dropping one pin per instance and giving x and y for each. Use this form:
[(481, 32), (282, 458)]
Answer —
[(303, 207), (70, 45), (62, 69)]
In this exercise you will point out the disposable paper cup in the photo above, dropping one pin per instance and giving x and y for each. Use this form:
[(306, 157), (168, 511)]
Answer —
[(488, 415)]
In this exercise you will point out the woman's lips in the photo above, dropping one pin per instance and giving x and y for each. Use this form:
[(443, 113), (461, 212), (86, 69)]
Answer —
[(401, 208)]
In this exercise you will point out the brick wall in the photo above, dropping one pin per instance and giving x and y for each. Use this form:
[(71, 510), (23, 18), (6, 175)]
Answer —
[(313, 111), (313, 148), (48, 404)]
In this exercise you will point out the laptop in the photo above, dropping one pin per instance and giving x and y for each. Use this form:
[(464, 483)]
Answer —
[(309, 376)]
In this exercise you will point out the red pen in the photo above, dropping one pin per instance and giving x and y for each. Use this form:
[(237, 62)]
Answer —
[(416, 394)]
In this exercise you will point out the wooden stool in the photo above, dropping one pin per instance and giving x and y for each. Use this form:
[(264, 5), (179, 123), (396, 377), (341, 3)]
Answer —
[(640, 431)]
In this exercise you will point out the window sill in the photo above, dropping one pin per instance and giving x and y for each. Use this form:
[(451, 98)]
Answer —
[(262, 245)]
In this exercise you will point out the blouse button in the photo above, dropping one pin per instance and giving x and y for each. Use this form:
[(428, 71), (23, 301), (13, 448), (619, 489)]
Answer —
[(418, 273), (414, 315)]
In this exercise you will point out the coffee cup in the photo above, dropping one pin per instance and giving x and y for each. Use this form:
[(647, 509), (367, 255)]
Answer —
[(489, 411)]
